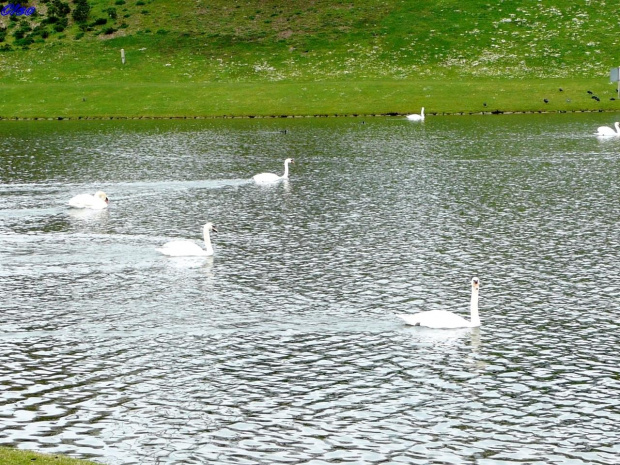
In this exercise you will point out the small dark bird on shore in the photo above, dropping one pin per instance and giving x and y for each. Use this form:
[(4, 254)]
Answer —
[(484, 104), (545, 100), (590, 92), (612, 98), (596, 98), (561, 90)]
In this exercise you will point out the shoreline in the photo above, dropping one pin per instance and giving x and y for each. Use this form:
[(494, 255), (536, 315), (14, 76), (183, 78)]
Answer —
[(335, 115)]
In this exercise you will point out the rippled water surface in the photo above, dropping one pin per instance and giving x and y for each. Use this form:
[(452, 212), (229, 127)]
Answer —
[(284, 347)]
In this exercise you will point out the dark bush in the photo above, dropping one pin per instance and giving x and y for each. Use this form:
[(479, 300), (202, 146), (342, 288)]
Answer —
[(58, 8), (81, 11), (40, 30), (24, 28), (112, 13), (24, 42)]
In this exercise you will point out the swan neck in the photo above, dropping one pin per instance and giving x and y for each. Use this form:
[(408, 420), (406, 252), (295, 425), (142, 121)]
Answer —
[(475, 317), (285, 175), (617, 125), (208, 245)]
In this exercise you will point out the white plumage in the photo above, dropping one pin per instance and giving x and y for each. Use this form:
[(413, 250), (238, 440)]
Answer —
[(442, 319), (97, 201), (607, 131), (268, 178), (189, 248), (416, 117)]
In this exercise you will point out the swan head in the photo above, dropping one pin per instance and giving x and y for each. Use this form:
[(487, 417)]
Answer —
[(209, 227), (475, 283), (102, 195), (289, 160)]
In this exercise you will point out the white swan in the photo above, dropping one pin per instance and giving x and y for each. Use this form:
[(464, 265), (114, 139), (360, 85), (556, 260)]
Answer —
[(414, 117), (96, 202), (607, 131), (268, 178), (189, 248), (442, 319)]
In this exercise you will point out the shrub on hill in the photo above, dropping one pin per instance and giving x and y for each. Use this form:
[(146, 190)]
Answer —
[(58, 8), (81, 11)]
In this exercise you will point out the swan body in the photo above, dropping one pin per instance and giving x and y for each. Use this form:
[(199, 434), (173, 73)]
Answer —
[(268, 178), (189, 248), (97, 201), (607, 131), (442, 319), (416, 117)]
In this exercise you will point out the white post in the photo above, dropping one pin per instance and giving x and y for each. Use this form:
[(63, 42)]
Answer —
[(123, 57)]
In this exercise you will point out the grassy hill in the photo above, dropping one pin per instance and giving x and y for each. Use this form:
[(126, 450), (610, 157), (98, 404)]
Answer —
[(215, 57)]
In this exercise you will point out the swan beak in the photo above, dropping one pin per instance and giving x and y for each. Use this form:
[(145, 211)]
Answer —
[(107, 200), (214, 229)]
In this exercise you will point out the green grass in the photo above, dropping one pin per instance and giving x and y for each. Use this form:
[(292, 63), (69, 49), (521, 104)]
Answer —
[(210, 99), (213, 58), (20, 457)]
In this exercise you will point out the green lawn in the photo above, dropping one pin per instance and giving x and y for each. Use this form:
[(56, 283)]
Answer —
[(209, 99), (19, 457)]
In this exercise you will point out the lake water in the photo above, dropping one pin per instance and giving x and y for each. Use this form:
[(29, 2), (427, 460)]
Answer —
[(284, 347)]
